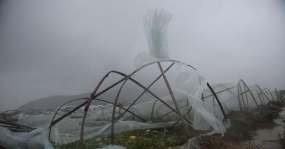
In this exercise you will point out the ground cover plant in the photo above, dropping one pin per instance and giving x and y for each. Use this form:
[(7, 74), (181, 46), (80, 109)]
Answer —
[(243, 127)]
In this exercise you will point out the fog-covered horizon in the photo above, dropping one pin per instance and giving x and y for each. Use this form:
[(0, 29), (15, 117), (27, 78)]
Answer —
[(64, 47)]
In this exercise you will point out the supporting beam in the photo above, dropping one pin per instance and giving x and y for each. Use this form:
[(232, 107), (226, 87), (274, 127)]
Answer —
[(174, 101)]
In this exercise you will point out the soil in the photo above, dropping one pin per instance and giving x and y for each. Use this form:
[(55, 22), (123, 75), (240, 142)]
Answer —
[(261, 128)]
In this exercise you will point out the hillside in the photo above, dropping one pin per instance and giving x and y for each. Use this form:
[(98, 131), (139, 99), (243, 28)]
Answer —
[(128, 94)]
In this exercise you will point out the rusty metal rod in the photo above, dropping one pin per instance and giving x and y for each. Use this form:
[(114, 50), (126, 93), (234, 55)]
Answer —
[(227, 89), (117, 97), (269, 92), (50, 126), (98, 100), (81, 105), (249, 92), (145, 91), (87, 107), (217, 99), (129, 78), (14, 124), (189, 110), (174, 101)]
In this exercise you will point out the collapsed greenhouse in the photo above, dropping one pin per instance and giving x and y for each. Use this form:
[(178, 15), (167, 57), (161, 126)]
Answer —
[(187, 99), (202, 106)]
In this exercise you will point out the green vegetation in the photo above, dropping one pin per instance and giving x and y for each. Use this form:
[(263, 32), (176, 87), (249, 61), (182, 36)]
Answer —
[(156, 138), (243, 127)]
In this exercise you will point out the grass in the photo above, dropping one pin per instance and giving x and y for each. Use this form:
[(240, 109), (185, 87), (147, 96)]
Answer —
[(156, 138), (243, 127)]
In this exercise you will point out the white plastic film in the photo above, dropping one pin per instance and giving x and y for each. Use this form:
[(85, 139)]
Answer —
[(155, 26), (21, 140), (191, 84)]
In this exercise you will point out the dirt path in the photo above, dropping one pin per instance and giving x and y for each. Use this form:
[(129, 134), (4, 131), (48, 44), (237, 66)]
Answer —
[(243, 134), (271, 134)]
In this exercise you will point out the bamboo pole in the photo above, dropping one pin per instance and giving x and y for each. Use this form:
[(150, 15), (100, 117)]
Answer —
[(174, 100)]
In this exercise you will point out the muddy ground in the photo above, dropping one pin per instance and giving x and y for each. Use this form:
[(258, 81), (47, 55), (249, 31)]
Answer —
[(261, 128)]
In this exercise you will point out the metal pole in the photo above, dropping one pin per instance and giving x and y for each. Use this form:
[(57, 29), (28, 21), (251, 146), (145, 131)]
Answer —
[(174, 100)]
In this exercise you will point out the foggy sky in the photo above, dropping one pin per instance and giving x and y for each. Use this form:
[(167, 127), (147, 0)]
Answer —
[(65, 47)]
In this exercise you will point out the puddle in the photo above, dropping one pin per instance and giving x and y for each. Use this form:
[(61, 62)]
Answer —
[(271, 134)]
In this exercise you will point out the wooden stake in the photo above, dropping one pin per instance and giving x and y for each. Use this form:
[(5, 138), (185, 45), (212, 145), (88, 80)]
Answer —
[(174, 101)]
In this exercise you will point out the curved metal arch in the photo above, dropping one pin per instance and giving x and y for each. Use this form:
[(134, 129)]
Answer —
[(267, 90), (245, 85), (92, 96), (126, 110), (252, 94), (50, 125), (117, 97), (145, 92), (152, 109), (247, 103), (129, 78), (266, 96), (86, 99), (239, 89), (81, 105), (262, 100), (187, 113), (187, 104), (225, 89), (217, 99), (258, 93), (261, 92)]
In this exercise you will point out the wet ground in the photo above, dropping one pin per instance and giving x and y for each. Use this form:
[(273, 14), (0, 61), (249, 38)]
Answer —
[(268, 138), (262, 128)]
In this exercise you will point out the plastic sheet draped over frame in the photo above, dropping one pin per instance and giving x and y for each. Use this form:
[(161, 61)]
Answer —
[(36, 139), (228, 93), (144, 58), (191, 84), (188, 83), (155, 27)]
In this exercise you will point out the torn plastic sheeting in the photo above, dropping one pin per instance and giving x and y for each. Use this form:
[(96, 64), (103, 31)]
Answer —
[(155, 110), (36, 121), (146, 110), (31, 140), (155, 26), (144, 58), (192, 85)]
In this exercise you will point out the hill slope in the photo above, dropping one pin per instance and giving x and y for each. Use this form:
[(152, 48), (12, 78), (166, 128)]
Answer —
[(127, 95)]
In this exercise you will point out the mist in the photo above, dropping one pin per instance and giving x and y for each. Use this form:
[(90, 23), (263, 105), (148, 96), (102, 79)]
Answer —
[(65, 47)]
